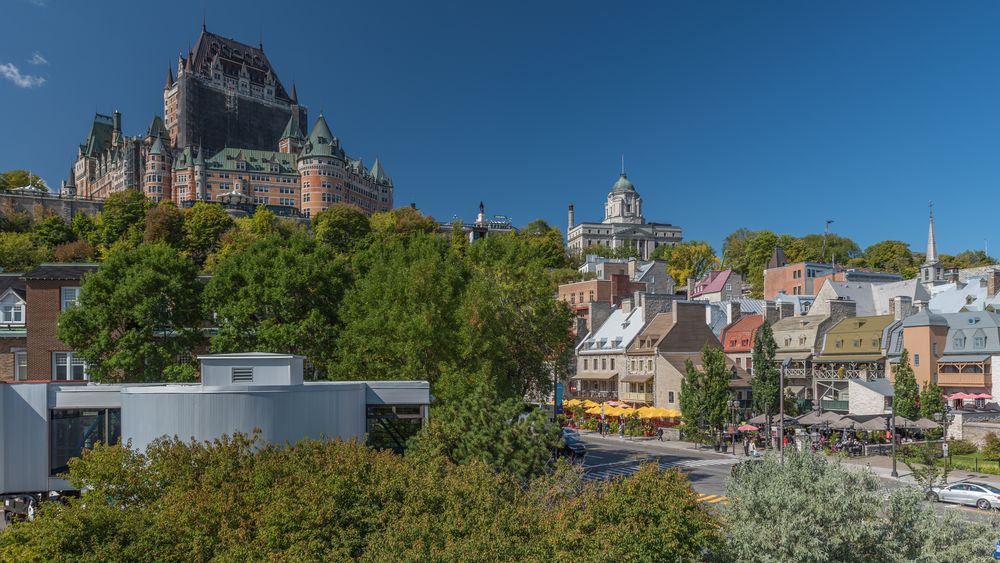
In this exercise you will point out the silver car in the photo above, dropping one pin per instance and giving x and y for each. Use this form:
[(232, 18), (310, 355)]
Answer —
[(980, 495)]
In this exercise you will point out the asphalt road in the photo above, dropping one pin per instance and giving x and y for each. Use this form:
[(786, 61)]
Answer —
[(708, 471)]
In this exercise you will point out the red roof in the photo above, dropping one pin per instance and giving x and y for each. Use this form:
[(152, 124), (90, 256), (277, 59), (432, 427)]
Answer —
[(743, 330), (713, 282)]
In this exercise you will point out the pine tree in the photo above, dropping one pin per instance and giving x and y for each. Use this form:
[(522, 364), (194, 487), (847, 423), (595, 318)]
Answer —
[(931, 400), (905, 389), (765, 374)]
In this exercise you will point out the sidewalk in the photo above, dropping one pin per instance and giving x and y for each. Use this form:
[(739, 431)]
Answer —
[(882, 467)]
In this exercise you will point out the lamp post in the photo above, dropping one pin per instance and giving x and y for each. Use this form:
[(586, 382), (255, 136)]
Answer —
[(733, 404), (892, 431), (944, 419), (781, 409)]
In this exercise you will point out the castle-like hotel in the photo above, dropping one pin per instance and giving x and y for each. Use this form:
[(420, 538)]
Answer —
[(231, 133)]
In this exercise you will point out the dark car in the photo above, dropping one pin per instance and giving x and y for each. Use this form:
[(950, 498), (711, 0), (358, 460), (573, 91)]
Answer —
[(572, 447)]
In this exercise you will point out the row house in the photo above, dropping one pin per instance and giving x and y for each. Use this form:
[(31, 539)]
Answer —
[(13, 328), (614, 280), (800, 339), (715, 286), (852, 350), (738, 338)]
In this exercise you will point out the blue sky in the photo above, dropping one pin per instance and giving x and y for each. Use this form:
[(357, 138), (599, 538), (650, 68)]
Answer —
[(730, 114)]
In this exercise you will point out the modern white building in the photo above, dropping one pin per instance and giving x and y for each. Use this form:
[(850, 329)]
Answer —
[(624, 224), (43, 425)]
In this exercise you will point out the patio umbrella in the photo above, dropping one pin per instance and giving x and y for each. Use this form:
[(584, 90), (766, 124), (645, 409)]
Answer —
[(981, 396), (747, 428), (873, 425), (572, 403), (647, 413), (588, 403), (811, 418), (959, 395), (926, 424), (904, 423), (844, 423)]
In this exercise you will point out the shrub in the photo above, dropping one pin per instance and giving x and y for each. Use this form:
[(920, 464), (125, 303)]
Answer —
[(991, 448), (961, 447)]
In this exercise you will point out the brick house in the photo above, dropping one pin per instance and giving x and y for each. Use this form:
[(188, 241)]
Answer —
[(51, 289), (13, 332)]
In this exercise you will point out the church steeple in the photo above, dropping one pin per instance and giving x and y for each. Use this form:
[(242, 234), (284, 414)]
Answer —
[(931, 271)]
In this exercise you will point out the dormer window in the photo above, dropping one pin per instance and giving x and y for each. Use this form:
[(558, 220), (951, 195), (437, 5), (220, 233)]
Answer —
[(979, 342), (959, 342), (11, 309)]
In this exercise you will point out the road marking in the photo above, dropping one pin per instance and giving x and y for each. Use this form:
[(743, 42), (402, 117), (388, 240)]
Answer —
[(712, 499), (628, 467)]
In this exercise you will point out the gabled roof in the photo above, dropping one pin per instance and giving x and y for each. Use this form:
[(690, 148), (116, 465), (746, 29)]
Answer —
[(61, 271), (233, 56), (871, 298), (856, 335), (748, 325), (99, 138), (713, 282), (12, 282)]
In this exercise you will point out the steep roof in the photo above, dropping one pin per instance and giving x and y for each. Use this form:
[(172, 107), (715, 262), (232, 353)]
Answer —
[(99, 138), (713, 282), (234, 56), (378, 173), (856, 335), (260, 161), (871, 298), (746, 325), (966, 327), (13, 282), (293, 130), (322, 142), (157, 128), (970, 295), (616, 333)]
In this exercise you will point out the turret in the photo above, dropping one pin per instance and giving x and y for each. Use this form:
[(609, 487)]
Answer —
[(170, 79), (116, 128), (68, 188), (571, 222), (199, 173)]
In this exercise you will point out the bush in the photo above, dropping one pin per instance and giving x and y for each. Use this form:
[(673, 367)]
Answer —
[(961, 447), (991, 448)]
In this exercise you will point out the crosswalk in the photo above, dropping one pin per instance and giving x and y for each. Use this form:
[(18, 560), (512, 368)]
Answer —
[(712, 499), (628, 467)]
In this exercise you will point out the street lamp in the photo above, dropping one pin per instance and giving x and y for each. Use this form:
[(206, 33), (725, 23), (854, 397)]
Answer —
[(733, 404), (781, 409), (892, 431), (945, 419)]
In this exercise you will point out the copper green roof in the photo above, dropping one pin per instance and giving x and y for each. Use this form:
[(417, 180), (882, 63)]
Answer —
[(157, 129), (99, 138), (321, 141), (622, 185), (256, 161), (157, 147), (293, 130)]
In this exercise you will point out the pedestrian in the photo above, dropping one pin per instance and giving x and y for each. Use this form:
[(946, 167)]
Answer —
[(600, 427), (659, 433), (753, 449), (746, 445), (621, 428)]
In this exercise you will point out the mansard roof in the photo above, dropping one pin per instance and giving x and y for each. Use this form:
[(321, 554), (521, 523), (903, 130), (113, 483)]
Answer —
[(232, 56), (255, 161), (99, 138)]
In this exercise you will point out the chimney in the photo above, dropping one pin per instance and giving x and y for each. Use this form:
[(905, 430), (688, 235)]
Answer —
[(688, 312), (599, 313), (571, 221), (654, 303), (632, 262), (735, 312), (841, 309), (992, 282), (919, 305), (900, 307), (786, 309), (772, 312), (951, 276), (627, 305), (690, 288)]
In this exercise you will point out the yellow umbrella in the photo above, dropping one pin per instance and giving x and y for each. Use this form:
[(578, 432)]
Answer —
[(572, 403), (596, 409), (588, 403), (657, 412)]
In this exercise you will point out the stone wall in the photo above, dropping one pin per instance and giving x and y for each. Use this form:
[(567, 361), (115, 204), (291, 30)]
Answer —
[(35, 204), (974, 431)]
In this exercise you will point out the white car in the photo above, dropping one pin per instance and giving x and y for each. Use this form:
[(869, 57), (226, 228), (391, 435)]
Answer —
[(980, 495)]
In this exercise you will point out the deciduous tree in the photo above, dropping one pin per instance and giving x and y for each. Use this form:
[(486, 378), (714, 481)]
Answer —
[(689, 259), (137, 314), (204, 224), (19, 252), (765, 380), (164, 222), (342, 226), (931, 400)]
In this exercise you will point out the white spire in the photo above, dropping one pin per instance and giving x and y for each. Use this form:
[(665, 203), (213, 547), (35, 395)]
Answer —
[(931, 242)]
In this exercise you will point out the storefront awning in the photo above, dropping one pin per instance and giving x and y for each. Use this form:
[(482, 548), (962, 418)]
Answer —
[(636, 378), (595, 376), (970, 359), (857, 358), (792, 355)]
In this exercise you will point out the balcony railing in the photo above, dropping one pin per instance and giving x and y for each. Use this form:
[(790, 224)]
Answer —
[(867, 374), (795, 372), (963, 379), (834, 405), (596, 395), (630, 397)]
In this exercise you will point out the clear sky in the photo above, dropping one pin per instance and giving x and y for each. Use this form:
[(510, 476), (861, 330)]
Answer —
[(759, 114)]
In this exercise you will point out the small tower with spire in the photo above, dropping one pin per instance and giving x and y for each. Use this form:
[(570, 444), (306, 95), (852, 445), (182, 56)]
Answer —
[(931, 271)]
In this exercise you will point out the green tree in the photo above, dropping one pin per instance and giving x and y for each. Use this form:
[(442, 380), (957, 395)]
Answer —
[(52, 231), (689, 259), (838, 248), (278, 295), (400, 316), (765, 380), (84, 228), (545, 244), (123, 219), (137, 314), (861, 521), (715, 386), (76, 251), (204, 225), (164, 222), (966, 259), (19, 252), (690, 399), (890, 256), (904, 401), (15, 221), (13, 179), (991, 447), (931, 400), (403, 221), (342, 226), (481, 426)]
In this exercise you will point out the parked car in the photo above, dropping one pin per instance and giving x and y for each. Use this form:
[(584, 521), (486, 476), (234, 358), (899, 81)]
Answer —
[(972, 493), (573, 447)]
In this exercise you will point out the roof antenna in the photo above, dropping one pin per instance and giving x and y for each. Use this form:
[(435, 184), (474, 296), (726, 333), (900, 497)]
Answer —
[(203, 17), (623, 164)]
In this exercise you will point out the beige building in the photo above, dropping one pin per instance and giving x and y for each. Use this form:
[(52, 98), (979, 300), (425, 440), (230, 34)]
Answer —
[(799, 339)]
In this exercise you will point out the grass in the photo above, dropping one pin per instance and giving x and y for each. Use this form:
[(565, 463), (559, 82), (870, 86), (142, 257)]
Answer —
[(967, 462)]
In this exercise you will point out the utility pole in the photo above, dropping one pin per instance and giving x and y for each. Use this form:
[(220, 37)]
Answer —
[(892, 426), (826, 231)]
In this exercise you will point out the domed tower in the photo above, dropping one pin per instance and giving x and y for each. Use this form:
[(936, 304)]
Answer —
[(624, 204), (321, 165)]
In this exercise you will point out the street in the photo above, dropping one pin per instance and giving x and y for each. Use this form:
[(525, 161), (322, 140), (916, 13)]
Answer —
[(707, 470)]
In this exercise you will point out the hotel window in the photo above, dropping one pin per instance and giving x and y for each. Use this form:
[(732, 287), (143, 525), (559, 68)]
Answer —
[(604, 363), (585, 366), (70, 297), (650, 364), (631, 365), (612, 363), (670, 396), (11, 309), (67, 366)]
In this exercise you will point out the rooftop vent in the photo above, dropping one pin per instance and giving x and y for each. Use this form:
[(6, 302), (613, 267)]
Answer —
[(243, 375)]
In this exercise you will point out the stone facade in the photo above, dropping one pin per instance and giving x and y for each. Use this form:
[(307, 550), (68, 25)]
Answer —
[(623, 226)]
